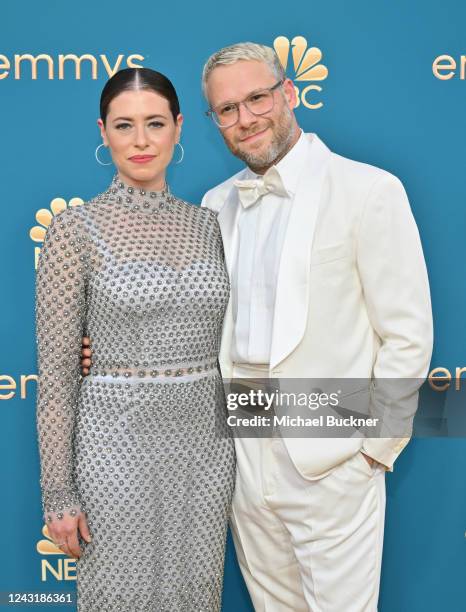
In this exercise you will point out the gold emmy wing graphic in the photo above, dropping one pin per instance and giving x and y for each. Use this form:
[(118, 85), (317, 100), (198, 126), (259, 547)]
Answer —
[(44, 217), (306, 66)]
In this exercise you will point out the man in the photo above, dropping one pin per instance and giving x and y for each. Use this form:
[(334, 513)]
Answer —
[(328, 281)]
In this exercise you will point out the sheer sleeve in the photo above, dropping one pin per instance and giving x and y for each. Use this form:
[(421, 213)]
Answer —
[(60, 302)]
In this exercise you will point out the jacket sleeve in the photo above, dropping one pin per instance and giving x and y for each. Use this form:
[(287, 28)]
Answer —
[(396, 293), (60, 304)]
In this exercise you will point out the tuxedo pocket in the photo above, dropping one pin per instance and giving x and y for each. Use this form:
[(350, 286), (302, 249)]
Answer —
[(330, 253), (356, 387)]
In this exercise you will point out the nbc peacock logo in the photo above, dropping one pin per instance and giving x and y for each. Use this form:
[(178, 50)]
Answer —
[(44, 217), (306, 67), (55, 563)]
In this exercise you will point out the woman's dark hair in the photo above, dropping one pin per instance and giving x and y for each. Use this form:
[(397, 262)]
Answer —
[(138, 78)]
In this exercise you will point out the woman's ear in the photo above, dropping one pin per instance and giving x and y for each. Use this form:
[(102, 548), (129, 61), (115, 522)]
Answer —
[(103, 133), (179, 123)]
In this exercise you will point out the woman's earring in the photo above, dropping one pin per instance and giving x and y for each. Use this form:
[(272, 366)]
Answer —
[(182, 153), (97, 156)]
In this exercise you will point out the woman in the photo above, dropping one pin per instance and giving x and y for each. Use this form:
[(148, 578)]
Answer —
[(138, 451)]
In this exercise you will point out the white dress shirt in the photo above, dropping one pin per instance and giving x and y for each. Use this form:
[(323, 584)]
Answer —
[(261, 230)]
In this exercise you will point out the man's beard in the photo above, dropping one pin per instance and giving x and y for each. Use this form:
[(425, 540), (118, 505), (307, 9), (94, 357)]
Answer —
[(282, 137)]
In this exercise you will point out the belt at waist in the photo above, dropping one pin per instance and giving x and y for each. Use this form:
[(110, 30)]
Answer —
[(181, 369)]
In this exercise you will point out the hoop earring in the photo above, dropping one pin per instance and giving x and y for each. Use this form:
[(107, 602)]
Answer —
[(182, 153), (97, 156)]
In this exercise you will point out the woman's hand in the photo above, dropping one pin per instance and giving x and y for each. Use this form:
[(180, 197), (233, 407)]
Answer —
[(64, 532)]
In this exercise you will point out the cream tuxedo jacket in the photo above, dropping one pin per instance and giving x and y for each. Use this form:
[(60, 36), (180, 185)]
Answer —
[(352, 299)]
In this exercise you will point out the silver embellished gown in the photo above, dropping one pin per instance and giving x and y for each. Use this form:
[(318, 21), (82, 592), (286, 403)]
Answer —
[(141, 444)]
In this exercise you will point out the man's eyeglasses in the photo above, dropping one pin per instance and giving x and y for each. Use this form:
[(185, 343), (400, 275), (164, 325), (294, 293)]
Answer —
[(258, 103)]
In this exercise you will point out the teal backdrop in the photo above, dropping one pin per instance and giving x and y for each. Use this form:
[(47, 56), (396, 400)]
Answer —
[(384, 102)]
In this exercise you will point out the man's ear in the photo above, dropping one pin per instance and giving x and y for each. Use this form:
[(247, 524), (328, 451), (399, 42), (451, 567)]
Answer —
[(290, 93)]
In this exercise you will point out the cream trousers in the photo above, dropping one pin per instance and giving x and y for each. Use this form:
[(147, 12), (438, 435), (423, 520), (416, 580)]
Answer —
[(307, 545)]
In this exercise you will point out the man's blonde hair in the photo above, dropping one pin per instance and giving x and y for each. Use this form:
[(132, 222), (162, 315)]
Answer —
[(242, 51)]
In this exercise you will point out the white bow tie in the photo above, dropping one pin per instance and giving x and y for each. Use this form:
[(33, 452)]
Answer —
[(250, 190)]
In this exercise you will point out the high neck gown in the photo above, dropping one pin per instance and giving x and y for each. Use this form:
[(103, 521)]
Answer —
[(141, 444)]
